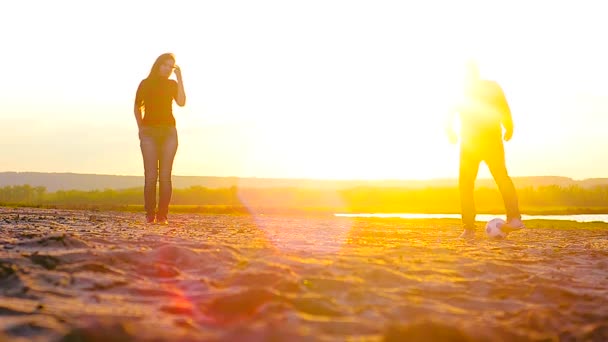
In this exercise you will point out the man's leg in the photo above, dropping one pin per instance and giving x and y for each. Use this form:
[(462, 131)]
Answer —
[(469, 166), (497, 166)]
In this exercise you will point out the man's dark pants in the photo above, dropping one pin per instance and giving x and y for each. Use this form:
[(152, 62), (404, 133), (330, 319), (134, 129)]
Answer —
[(493, 154)]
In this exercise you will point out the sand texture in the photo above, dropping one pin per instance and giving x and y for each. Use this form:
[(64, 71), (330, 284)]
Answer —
[(106, 276)]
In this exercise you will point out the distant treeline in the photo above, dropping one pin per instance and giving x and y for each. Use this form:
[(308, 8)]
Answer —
[(110, 198), (545, 199)]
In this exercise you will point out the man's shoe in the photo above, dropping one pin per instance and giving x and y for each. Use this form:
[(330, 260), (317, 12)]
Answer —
[(150, 220), (162, 221), (513, 225)]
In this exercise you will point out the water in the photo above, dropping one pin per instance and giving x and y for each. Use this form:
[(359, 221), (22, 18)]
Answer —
[(486, 217)]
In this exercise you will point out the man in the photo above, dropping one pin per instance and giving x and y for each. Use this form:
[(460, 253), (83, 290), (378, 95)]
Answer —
[(483, 114)]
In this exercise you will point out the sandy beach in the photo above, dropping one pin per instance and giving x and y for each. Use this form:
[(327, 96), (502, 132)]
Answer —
[(105, 276)]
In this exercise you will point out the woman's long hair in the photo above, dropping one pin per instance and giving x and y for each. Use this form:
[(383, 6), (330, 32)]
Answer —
[(160, 60)]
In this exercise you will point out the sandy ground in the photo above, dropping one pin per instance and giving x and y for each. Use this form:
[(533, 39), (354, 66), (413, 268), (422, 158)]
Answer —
[(105, 276)]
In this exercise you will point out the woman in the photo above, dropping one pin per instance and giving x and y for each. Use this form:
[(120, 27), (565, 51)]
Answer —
[(157, 132)]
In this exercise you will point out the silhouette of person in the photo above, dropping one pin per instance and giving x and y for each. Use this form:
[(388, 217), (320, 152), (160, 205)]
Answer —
[(483, 113), (157, 132)]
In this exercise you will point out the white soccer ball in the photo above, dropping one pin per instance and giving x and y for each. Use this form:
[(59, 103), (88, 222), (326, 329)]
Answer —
[(493, 228)]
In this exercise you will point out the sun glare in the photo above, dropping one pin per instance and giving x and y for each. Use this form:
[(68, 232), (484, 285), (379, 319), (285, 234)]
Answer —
[(324, 89)]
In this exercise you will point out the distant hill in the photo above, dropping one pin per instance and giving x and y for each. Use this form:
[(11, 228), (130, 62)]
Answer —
[(75, 181)]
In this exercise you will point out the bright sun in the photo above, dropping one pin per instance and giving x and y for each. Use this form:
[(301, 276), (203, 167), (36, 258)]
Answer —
[(378, 134)]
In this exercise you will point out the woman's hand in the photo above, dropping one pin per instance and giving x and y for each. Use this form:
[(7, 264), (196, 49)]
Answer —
[(178, 72), (180, 97)]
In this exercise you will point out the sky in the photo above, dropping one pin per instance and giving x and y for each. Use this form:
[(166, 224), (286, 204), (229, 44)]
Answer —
[(301, 89)]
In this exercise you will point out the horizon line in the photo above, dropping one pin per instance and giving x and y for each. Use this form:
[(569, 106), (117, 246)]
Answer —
[(307, 179)]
